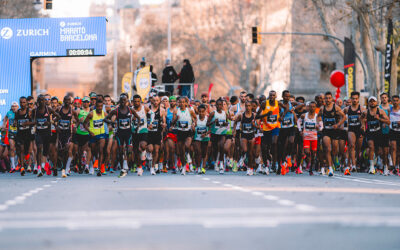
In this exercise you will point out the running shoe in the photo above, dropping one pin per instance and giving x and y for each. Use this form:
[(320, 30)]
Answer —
[(347, 171), (330, 173), (187, 167), (235, 167), (22, 171), (98, 173), (18, 167), (91, 170), (199, 170), (173, 170), (267, 171), (29, 169), (353, 169), (55, 173), (371, 170), (40, 174), (386, 171), (86, 170), (299, 171), (165, 170), (323, 171), (47, 168), (249, 171), (63, 174), (152, 171), (289, 161), (259, 169), (183, 171), (12, 170), (310, 173), (35, 171), (123, 173), (283, 168), (221, 168), (140, 171), (203, 170)]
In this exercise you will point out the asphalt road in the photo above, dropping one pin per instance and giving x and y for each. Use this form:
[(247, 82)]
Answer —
[(212, 211)]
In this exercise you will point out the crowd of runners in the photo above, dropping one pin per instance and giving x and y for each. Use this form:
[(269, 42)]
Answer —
[(95, 135)]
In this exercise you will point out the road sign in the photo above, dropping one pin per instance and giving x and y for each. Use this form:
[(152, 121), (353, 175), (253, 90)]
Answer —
[(24, 39)]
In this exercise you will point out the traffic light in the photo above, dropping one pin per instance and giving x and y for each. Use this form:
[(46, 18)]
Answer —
[(48, 4), (255, 34)]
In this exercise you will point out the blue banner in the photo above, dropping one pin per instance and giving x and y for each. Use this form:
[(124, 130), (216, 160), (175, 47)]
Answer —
[(23, 39)]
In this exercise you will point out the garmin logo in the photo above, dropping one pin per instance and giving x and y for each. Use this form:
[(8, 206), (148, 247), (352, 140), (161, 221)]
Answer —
[(33, 32), (6, 33)]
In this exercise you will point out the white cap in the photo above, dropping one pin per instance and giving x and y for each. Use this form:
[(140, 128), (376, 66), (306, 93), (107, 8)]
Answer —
[(372, 98), (14, 103)]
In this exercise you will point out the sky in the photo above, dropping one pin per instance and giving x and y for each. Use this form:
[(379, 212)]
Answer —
[(80, 8)]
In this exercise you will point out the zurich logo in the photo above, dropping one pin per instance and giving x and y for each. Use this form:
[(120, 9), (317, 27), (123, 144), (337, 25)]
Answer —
[(62, 24), (6, 33)]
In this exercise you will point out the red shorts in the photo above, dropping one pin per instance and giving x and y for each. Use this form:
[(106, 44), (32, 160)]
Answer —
[(171, 136), (257, 140), (312, 143)]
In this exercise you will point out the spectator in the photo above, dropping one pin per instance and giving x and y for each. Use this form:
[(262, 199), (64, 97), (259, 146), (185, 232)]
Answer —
[(186, 76), (169, 76)]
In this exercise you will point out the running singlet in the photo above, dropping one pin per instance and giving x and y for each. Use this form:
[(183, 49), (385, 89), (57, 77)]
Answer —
[(220, 125), (81, 129), (271, 122), (247, 124), (42, 121), (141, 125), (11, 117), (310, 132), (373, 124), (329, 117), (201, 129), (64, 124), (123, 121), (353, 118), (155, 119), (288, 119), (385, 127), (97, 123), (21, 119), (184, 119), (169, 117), (394, 120)]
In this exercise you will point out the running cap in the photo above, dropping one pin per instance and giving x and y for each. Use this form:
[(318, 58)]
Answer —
[(86, 99), (92, 94), (14, 103), (372, 98), (164, 98), (172, 98)]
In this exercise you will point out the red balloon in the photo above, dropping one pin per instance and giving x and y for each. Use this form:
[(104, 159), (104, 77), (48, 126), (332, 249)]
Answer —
[(337, 78)]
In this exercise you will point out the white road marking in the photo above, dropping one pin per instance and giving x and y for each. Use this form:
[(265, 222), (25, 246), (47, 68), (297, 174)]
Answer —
[(206, 217), (53, 181), (216, 182), (271, 197), (257, 193), (205, 179), (286, 202), (228, 185), (21, 198), (303, 207)]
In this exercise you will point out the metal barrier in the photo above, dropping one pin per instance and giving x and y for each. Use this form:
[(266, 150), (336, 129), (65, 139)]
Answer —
[(162, 87)]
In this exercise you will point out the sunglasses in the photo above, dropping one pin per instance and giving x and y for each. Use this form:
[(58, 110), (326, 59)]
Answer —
[(30, 103), (47, 99)]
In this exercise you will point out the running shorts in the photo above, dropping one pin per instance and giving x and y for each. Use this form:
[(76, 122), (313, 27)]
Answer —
[(311, 143), (334, 134), (123, 138), (154, 138), (182, 135)]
